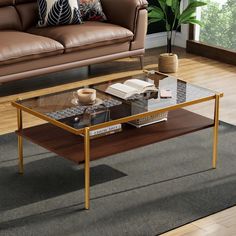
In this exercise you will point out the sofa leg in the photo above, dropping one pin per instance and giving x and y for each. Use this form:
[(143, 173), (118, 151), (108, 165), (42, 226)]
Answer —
[(141, 62)]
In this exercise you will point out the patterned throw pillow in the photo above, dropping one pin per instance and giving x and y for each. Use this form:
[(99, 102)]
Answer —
[(92, 10), (58, 12)]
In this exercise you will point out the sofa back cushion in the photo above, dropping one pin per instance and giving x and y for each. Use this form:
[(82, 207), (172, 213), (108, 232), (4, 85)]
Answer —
[(18, 14), (6, 3), (28, 13), (24, 1), (9, 18)]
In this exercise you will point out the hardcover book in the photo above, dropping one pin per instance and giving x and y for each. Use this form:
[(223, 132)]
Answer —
[(105, 131), (130, 88)]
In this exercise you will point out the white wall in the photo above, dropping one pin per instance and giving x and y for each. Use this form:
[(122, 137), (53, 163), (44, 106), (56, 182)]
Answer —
[(159, 39)]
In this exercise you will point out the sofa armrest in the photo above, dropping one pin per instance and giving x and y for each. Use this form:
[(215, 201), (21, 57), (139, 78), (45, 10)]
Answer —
[(123, 12)]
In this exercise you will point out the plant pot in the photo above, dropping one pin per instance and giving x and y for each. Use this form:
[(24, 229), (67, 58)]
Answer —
[(168, 63)]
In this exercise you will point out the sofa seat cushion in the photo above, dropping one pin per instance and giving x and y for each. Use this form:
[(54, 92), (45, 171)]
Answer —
[(19, 46), (91, 34)]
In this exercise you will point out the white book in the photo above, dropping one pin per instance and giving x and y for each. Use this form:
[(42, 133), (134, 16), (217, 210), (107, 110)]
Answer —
[(104, 130), (121, 90), (141, 85), (130, 87)]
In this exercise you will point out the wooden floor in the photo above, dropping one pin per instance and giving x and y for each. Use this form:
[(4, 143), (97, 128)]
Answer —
[(198, 70)]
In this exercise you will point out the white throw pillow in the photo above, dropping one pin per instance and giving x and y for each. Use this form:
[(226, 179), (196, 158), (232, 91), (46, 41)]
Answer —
[(58, 12)]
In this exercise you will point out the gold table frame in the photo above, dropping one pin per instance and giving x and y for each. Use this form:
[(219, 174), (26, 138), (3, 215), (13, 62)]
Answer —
[(86, 131)]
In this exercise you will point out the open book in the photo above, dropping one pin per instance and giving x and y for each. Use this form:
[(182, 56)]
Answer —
[(130, 87)]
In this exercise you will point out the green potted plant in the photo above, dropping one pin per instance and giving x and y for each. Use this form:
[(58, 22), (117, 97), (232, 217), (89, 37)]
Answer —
[(170, 12)]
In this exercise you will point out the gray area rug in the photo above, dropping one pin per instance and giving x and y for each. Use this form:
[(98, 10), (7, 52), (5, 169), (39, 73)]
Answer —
[(145, 192)]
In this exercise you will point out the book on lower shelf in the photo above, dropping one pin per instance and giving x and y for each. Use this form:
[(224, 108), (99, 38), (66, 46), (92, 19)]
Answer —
[(105, 131)]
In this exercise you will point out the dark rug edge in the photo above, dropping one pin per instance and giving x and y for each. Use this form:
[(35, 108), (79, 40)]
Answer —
[(207, 215)]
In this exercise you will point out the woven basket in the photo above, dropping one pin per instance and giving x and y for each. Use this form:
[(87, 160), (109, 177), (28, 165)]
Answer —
[(168, 63), (150, 119)]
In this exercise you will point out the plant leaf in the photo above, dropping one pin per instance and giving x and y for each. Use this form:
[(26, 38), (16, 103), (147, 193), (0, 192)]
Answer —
[(156, 13), (168, 27), (150, 21), (169, 3), (191, 8), (175, 6), (193, 21), (154, 8), (163, 4), (186, 15), (197, 4)]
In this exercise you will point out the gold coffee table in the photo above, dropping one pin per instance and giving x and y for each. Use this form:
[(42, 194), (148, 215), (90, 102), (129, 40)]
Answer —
[(66, 137)]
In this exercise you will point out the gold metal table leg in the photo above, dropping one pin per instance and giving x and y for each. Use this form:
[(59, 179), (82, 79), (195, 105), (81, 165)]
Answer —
[(215, 132), (20, 142), (87, 168)]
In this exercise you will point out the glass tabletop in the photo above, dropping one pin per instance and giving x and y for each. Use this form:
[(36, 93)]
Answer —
[(63, 108)]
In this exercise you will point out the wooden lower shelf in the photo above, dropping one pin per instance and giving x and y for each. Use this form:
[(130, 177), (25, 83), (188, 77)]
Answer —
[(71, 147)]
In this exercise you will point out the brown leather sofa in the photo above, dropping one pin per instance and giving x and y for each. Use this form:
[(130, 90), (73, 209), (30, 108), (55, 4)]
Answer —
[(27, 51)]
